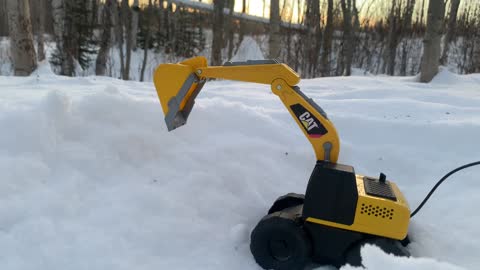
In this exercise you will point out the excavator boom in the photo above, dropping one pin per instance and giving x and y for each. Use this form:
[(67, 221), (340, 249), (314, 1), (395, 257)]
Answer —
[(179, 84)]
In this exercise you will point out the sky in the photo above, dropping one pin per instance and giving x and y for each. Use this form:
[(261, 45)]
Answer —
[(261, 8)]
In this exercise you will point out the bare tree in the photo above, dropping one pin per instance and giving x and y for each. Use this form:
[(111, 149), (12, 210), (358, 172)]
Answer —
[(406, 31), (348, 39), (230, 31), (217, 27), (431, 42), (147, 39), (3, 18), (21, 46), (62, 27), (274, 33), (241, 35), (452, 22), (135, 11), (392, 40), (327, 41), (118, 26), (101, 62), (126, 17), (314, 35)]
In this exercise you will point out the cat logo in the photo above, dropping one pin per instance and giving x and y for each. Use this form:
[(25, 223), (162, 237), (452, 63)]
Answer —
[(313, 127), (308, 121)]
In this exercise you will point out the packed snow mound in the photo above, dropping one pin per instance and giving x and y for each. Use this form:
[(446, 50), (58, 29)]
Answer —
[(91, 179), (374, 258), (248, 50)]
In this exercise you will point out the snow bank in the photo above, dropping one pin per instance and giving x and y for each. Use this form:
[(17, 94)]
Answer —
[(91, 179), (248, 50), (375, 258)]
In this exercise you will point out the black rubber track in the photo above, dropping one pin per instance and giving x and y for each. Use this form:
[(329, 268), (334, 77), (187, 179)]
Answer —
[(280, 243), (286, 201)]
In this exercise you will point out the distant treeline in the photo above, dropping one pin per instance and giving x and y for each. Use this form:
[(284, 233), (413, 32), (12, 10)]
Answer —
[(327, 38)]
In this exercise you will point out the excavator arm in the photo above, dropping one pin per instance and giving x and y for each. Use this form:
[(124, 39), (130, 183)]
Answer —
[(178, 85)]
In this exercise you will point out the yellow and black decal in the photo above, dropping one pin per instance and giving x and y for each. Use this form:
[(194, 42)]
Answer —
[(313, 127)]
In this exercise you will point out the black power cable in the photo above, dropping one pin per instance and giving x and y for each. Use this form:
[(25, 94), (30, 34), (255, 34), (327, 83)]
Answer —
[(440, 182)]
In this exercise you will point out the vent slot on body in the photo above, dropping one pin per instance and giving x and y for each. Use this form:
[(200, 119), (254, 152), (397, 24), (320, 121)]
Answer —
[(376, 211)]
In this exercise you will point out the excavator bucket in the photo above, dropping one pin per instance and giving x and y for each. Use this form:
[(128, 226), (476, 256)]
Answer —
[(177, 87)]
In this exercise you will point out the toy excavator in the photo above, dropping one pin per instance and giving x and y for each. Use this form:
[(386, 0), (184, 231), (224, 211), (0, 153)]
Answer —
[(340, 211)]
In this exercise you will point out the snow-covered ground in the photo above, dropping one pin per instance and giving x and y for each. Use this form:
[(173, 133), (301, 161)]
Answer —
[(91, 179)]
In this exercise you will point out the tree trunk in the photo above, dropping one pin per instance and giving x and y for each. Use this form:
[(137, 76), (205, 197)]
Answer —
[(392, 41), (135, 11), (431, 42), (274, 40), (230, 28), (101, 62), (406, 31), (3, 18), (21, 46), (147, 39), (243, 27), (347, 50), (327, 42), (422, 12), (217, 42), (118, 26), (41, 30), (63, 27), (452, 21), (312, 47), (126, 16)]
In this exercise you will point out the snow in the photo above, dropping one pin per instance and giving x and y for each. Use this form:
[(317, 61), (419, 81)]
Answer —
[(91, 179), (248, 50)]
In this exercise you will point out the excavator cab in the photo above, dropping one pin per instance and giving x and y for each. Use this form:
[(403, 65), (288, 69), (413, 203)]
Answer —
[(340, 212)]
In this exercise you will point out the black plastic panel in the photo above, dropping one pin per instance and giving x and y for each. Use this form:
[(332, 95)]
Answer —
[(331, 193), (376, 188)]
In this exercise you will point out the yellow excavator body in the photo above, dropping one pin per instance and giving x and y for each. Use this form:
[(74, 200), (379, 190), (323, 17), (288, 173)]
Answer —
[(340, 208)]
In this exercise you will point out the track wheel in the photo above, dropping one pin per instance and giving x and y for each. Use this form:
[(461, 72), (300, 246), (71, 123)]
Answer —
[(388, 246), (280, 243), (286, 201)]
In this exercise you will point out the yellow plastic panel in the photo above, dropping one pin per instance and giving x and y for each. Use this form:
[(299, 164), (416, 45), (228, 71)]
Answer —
[(264, 74), (376, 215), (289, 97), (169, 78)]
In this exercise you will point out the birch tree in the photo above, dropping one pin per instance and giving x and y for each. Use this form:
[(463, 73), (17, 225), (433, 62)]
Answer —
[(61, 25), (431, 42), (21, 46)]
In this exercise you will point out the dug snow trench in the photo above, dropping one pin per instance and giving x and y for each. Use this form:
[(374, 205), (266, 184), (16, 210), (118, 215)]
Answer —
[(91, 179)]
